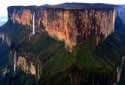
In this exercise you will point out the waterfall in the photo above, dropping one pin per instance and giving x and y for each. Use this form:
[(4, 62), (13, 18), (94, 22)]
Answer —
[(33, 31), (15, 61), (13, 19), (33, 26), (3, 38), (120, 69)]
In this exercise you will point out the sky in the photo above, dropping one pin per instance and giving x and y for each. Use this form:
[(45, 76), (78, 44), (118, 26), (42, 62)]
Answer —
[(5, 3)]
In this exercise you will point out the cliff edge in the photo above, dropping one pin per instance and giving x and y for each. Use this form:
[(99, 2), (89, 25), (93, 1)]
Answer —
[(74, 24)]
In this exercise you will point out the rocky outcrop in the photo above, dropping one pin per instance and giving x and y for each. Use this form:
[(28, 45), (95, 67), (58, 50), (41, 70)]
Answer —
[(26, 67), (5, 38), (26, 62), (73, 24), (20, 15)]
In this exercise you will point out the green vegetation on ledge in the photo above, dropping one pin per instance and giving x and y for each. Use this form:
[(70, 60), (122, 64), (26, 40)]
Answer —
[(85, 65)]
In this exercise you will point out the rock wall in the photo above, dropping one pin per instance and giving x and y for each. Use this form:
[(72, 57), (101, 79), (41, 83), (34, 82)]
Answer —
[(122, 12), (74, 25), (24, 61), (26, 67), (20, 15), (5, 38)]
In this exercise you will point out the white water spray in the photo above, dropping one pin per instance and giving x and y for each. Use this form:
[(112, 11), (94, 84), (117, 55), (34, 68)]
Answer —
[(13, 19), (15, 61), (3, 38), (33, 31), (120, 69)]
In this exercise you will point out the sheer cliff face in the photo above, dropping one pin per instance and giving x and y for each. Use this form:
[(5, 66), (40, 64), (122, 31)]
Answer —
[(122, 13), (20, 15), (73, 25)]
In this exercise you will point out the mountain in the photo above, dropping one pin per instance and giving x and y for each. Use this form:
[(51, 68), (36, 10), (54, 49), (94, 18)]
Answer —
[(72, 23), (66, 44), (3, 19), (1, 23), (4, 54)]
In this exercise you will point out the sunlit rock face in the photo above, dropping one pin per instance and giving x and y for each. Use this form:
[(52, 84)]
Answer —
[(27, 67), (20, 15), (5, 38), (73, 25)]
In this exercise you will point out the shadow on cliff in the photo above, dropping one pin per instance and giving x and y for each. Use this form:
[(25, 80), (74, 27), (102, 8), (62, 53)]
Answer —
[(120, 26), (84, 66)]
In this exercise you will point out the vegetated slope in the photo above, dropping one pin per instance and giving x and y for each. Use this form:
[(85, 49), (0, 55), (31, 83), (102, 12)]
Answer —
[(21, 78), (40, 45), (17, 33), (86, 64), (4, 54)]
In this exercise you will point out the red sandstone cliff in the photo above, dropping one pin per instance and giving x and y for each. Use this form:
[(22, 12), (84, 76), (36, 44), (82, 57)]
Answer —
[(74, 25)]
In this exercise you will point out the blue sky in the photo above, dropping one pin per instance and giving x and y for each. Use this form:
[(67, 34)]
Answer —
[(5, 3)]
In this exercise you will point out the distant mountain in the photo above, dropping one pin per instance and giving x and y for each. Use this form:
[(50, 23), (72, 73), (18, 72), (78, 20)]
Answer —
[(1, 23), (3, 19)]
